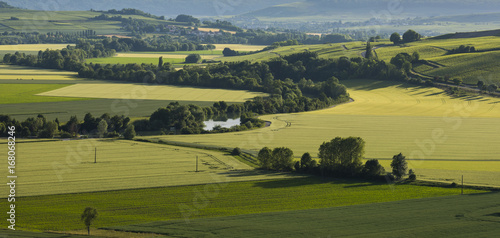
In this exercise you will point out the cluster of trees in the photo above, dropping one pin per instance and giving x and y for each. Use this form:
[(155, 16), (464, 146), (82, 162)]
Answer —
[(70, 58), (405, 61), (340, 157), (104, 126), (280, 159), (228, 26), (130, 11), (188, 119), (408, 36), (187, 18), (463, 49), (483, 87)]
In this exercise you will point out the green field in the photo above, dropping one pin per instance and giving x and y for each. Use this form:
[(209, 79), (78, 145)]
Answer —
[(452, 216), (57, 167), (149, 92), (127, 207), (14, 73), (27, 93), (423, 123), (64, 110)]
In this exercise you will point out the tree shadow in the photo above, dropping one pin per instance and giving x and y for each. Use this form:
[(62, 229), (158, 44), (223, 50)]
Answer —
[(312, 180), (434, 94)]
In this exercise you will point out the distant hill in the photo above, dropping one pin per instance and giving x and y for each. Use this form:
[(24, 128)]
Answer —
[(475, 34), (168, 8), (368, 9), (5, 5)]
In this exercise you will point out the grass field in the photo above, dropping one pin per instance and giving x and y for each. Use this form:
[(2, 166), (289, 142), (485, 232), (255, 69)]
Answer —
[(14, 72), (64, 110), (26, 93), (57, 167), (452, 216), (148, 92), (133, 60), (423, 123), (239, 47), (126, 207)]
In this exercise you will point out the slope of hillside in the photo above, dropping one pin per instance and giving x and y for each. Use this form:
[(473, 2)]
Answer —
[(157, 7), (400, 9)]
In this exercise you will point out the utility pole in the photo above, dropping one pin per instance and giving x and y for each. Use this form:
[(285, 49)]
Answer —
[(95, 155), (196, 163)]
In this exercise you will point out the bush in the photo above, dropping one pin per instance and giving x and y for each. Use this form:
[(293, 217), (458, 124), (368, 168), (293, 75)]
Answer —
[(129, 133), (193, 58), (236, 151), (412, 176), (65, 134)]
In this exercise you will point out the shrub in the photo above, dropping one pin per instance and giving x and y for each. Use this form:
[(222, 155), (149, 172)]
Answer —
[(236, 151)]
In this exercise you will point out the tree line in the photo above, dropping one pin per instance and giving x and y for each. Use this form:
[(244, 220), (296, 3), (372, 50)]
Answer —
[(103, 126), (340, 158)]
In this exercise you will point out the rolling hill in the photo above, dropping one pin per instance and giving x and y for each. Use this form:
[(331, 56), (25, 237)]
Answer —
[(367, 9)]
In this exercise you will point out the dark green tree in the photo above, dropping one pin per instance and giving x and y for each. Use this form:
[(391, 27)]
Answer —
[(342, 155), (129, 133), (305, 161), (395, 38), (399, 166), (282, 159), (411, 36), (193, 58), (160, 62), (236, 151), (369, 50), (373, 168), (264, 158), (88, 216), (480, 85)]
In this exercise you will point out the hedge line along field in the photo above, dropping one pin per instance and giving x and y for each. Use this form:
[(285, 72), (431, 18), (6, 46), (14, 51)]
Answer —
[(452, 216), (127, 207), (425, 124), (56, 167), (149, 92), (26, 93)]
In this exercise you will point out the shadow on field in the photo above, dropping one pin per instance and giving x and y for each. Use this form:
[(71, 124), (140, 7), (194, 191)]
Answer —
[(434, 94), (313, 180)]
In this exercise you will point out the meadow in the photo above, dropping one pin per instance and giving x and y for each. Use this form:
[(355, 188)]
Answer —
[(12, 73), (63, 110), (425, 124), (127, 207), (451, 216), (56, 167), (26, 93), (150, 92)]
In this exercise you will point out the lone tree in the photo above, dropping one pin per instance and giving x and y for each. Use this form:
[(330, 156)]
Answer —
[(369, 50), (193, 58), (236, 151), (395, 38), (160, 62), (88, 216), (399, 166)]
